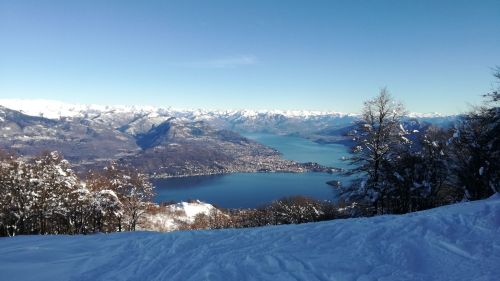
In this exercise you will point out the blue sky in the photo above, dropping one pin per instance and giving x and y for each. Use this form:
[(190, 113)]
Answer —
[(435, 56)]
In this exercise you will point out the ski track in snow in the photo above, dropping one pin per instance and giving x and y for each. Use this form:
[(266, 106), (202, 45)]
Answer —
[(457, 242)]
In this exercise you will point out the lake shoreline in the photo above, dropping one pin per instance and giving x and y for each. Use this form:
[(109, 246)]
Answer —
[(314, 165), (306, 168)]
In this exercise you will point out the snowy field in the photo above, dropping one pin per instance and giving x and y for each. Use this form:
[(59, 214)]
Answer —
[(458, 242)]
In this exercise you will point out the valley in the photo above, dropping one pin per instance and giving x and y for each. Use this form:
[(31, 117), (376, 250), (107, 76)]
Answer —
[(166, 142), (160, 142), (249, 190)]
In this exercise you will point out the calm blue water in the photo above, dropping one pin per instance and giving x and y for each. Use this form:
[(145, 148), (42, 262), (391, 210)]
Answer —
[(304, 150), (244, 190)]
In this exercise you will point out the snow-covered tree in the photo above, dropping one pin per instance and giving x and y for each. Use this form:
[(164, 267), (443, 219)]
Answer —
[(106, 207), (476, 148), (43, 195), (16, 198), (378, 136), (107, 210), (295, 210), (418, 175), (132, 188), (136, 192), (53, 182), (80, 210), (36, 194)]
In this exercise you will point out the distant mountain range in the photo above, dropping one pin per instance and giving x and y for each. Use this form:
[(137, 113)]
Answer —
[(296, 122), (159, 142), (165, 141)]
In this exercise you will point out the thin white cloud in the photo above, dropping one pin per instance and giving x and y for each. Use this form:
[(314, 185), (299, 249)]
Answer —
[(225, 62)]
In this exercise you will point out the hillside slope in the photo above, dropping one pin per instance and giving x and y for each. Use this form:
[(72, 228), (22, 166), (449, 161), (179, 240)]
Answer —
[(458, 242)]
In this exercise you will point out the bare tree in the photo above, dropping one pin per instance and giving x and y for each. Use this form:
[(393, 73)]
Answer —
[(378, 137)]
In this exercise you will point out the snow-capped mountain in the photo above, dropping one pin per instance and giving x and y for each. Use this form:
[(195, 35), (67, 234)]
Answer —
[(165, 141), (135, 120), (275, 121), (139, 119), (56, 109), (155, 142)]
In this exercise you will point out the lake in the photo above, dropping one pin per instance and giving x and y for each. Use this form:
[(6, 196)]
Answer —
[(304, 150), (247, 190)]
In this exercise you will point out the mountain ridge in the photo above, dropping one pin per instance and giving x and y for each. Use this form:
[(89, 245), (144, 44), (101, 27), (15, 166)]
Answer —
[(56, 109), (162, 146), (138, 120)]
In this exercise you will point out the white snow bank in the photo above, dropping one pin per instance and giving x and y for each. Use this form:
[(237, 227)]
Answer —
[(458, 242)]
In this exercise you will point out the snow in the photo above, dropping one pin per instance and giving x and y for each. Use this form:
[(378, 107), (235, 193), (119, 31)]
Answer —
[(405, 139), (402, 128), (426, 115), (458, 242), (56, 109), (192, 209), (168, 220)]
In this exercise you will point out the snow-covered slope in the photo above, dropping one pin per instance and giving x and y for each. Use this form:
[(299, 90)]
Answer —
[(458, 242), (191, 210), (168, 218)]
